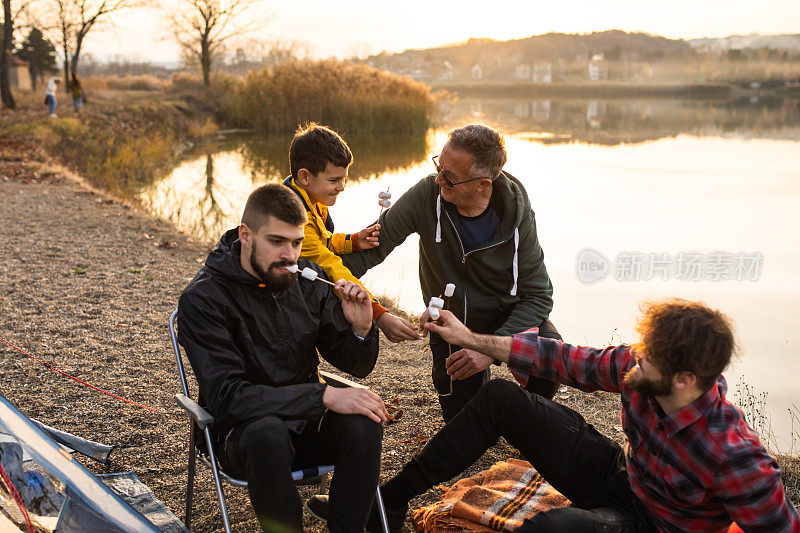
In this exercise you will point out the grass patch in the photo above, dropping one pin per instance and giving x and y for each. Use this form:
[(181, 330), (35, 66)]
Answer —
[(347, 96), (120, 149), (754, 407)]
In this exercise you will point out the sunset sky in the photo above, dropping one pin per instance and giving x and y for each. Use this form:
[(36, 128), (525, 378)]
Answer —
[(349, 27)]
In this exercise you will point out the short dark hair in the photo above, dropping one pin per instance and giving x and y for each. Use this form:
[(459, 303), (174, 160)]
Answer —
[(314, 146), (486, 146), (274, 200), (678, 335)]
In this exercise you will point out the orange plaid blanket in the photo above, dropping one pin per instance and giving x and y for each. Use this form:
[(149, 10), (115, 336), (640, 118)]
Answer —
[(496, 499)]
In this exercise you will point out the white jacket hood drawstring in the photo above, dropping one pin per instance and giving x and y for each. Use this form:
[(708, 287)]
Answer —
[(515, 261), (439, 218)]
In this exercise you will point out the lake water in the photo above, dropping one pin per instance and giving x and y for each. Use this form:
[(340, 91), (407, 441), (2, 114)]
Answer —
[(691, 199)]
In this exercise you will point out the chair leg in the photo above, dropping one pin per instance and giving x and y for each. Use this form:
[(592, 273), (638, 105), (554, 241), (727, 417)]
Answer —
[(381, 510), (324, 484), (190, 481), (220, 495)]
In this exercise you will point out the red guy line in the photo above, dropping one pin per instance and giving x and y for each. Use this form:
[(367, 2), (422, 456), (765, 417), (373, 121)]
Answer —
[(54, 369), (13, 490)]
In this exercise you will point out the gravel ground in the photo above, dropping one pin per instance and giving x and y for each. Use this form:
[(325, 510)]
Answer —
[(87, 283)]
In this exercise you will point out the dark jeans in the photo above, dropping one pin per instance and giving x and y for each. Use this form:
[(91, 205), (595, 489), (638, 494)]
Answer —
[(582, 464), (265, 452), (465, 389)]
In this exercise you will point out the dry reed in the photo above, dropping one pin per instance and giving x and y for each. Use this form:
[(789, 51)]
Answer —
[(347, 96)]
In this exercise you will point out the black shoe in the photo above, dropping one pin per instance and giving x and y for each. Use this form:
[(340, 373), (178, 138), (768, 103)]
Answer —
[(318, 504), (395, 517)]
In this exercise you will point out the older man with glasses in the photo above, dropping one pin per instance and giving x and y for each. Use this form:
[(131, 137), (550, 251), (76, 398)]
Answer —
[(477, 231)]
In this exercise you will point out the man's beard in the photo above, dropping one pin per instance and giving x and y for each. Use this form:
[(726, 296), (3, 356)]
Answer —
[(275, 282), (635, 379)]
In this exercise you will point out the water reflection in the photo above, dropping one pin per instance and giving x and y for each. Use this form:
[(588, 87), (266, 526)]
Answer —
[(267, 156), (205, 193), (611, 122)]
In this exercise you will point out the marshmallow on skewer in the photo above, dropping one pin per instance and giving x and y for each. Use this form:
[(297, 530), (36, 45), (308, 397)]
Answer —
[(385, 203), (293, 269), (311, 275), (384, 195), (433, 312), (449, 290), (436, 302)]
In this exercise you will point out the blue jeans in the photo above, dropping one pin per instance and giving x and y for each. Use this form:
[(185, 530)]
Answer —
[(51, 103)]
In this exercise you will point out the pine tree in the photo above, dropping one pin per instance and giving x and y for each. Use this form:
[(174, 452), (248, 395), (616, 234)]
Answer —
[(39, 53)]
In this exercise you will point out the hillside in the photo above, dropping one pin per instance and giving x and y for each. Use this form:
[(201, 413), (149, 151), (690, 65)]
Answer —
[(609, 55), (785, 42)]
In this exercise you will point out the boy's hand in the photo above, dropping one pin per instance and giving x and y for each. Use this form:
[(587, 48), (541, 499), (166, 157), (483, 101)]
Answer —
[(368, 237), (396, 329), (356, 306)]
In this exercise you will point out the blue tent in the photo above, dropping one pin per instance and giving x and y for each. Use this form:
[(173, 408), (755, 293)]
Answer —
[(59, 493)]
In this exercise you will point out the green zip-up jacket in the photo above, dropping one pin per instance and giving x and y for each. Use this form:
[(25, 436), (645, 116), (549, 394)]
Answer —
[(502, 287)]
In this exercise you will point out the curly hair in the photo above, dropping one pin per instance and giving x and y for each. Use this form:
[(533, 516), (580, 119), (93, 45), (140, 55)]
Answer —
[(678, 335)]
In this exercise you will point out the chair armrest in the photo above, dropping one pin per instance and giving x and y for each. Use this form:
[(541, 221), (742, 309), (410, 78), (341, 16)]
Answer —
[(337, 381), (201, 417)]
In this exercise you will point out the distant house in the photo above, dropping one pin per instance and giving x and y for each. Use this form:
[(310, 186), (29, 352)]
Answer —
[(598, 68), (522, 71), (542, 72), (476, 72), (19, 74), (446, 71)]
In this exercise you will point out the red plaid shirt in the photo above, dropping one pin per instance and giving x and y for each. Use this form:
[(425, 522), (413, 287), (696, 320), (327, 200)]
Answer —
[(695, 470)]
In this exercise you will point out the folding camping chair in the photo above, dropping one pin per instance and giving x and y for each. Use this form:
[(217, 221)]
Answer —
[(203, 419)]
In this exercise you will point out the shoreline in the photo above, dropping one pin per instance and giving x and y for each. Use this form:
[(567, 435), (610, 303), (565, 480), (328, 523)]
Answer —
[(607, 90)]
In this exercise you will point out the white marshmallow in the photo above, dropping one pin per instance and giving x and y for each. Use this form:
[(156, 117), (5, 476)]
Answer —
[(292, 268), (309, 273), (449, 290), (436, 302), (384, 195), (385, 203), (434, 313)]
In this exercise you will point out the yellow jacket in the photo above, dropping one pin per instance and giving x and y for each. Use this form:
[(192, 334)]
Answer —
[(322, 246)]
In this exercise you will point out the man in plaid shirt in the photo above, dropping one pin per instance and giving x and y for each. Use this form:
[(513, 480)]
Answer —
[(691, 463)]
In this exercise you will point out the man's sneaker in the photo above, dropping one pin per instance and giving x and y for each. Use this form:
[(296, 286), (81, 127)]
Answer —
[(317, 506)]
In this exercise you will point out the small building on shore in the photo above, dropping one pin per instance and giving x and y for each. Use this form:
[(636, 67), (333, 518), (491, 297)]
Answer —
[(542, 72), (19, 75), (598, 68), (476, 72)]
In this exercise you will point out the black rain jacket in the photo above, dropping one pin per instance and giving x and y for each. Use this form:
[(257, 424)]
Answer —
[(254, 352)]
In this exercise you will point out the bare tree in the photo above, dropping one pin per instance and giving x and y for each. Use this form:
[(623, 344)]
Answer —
[(74, 19), (5, 82), (201, 27)]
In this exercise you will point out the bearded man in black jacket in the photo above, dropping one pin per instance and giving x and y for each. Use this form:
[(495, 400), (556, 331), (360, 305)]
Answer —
[(252, 330)]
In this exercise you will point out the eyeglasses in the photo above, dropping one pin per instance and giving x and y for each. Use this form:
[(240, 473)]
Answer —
[(447, 176)]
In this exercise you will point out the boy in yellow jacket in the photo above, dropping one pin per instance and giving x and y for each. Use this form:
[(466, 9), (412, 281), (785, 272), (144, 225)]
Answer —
[(319, 159)]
